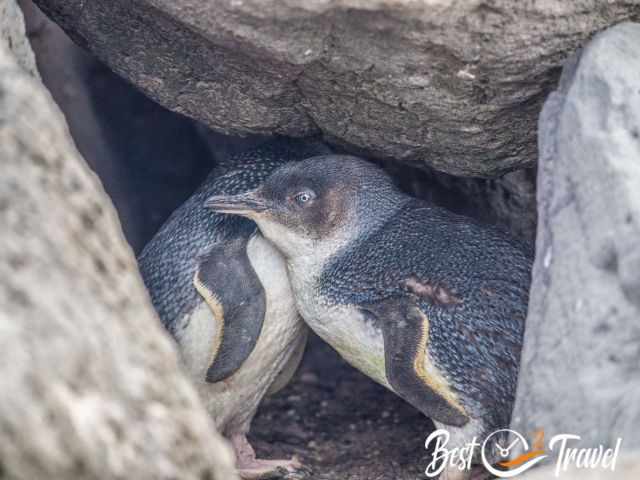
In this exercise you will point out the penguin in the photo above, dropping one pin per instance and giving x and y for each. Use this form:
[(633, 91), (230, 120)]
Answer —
[(427, 303), (222, 292)]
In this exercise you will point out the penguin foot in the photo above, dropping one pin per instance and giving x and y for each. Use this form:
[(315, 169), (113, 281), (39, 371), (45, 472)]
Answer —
[(251, 468)]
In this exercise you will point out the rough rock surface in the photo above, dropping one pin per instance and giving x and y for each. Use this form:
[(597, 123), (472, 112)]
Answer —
[(148, 159), (579, 372), (508, 201), (454, 84), (90, 384), (12, 35)]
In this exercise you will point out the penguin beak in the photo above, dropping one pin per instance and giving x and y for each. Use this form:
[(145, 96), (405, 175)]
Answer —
[(244, 204)]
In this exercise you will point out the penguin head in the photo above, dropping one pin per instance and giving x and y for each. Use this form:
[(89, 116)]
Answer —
[(317, 204)]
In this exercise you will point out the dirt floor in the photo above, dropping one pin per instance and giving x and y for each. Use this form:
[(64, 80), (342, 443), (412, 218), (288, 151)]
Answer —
[(341, 424)]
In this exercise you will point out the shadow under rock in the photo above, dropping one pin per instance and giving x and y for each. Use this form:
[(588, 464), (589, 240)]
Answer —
[(341, 424)]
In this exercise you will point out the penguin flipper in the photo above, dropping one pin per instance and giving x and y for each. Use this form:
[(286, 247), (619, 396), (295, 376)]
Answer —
[(230, 286), (408, 365)]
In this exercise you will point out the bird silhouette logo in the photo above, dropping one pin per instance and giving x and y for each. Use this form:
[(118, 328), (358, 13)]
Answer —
[(509, 468)]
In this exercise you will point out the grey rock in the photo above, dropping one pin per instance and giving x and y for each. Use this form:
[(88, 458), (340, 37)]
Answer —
[(12, 35), (90, 384), (148, 159), (513, 199), (456, 85), (508, 201), (579, 372)]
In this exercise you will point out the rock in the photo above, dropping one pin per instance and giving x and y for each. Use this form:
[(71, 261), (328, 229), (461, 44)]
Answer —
[(508, 201), (450, 84), (91, 386), (12, 35), (148, 159), (579, 371), (513, 199)]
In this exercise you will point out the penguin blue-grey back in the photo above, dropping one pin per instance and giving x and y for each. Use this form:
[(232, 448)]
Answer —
[(459, 272), (168, 262)]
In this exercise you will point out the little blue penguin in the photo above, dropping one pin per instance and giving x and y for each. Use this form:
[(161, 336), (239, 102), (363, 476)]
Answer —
[(222, 291), (427, 303)]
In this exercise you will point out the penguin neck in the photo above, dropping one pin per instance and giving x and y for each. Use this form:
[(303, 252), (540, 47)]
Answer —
[(307, 265), (365, 220)]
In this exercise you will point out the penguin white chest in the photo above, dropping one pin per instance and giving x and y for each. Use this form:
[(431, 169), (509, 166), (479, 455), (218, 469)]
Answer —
[(233, 401), (344, 327)]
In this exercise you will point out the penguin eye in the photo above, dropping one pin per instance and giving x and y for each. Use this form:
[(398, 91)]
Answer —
[(303, 198)]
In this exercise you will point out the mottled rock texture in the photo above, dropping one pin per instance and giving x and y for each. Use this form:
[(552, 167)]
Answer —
[(90, 384), (12, 36), (453, 84), (148, 159), (579, 372)]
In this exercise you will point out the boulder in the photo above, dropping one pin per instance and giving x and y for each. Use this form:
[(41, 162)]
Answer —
[(91, 385), (455, 85), (579, 371), (149, 159), (12, 36)]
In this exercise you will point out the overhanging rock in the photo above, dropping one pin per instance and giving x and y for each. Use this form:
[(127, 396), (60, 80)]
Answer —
[(455, 85)]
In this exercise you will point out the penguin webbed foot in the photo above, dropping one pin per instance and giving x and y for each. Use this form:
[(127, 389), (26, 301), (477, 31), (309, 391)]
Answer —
[(251, 468)]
